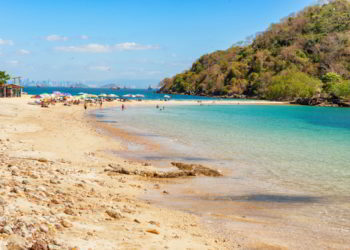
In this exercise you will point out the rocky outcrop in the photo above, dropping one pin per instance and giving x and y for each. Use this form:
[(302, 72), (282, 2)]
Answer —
[(184, 170), (320, 101)]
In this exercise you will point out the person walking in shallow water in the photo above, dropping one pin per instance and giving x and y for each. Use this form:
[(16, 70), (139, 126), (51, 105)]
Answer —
[(123, 107)]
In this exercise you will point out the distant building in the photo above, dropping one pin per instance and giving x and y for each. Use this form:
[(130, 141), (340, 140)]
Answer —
[(10, 90)]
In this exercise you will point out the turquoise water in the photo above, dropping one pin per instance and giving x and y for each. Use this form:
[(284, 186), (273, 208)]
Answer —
[(275, 148)]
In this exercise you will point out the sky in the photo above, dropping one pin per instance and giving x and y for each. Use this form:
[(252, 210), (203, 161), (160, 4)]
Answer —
[(138, 42)]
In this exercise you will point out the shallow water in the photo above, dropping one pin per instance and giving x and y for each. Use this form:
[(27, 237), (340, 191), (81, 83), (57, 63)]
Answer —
[(291, 161)]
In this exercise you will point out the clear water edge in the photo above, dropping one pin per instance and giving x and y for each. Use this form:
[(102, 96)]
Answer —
[(293, 159)]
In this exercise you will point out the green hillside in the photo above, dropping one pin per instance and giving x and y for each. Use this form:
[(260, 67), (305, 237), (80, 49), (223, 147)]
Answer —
[(305, 57)]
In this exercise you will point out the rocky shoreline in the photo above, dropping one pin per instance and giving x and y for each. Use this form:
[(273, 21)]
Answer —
[(315, 101)]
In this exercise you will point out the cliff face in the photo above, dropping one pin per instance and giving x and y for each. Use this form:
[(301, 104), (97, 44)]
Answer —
[(304, 56)]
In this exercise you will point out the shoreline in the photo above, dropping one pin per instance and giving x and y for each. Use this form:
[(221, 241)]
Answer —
[(54, 161), (249, 217)]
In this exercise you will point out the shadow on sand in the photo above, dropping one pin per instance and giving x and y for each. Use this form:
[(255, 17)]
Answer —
[(277, 198)]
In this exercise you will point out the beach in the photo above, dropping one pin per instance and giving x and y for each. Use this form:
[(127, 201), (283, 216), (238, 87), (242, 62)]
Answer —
[(70, 181), (56, 193)]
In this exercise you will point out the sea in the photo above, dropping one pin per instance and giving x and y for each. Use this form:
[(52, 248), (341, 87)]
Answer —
[(286, 167)]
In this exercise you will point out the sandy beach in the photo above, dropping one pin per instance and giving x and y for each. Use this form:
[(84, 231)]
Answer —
[(57, 192)]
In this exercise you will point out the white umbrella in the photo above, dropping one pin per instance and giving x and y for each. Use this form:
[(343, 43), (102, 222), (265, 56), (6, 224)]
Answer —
[(127, 95), (112, 95), (139, 95), (167, 96)]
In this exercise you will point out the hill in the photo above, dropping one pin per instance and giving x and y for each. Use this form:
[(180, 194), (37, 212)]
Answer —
[(111, 85), (304, 58)]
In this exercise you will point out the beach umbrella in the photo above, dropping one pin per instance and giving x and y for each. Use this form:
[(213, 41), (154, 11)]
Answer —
[(57, 93), (127, 95), (112, 95), (167, 96), (102, 95), (45, 95), (139, 96), (81, 93)]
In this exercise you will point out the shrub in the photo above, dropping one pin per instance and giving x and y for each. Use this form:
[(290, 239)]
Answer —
[(291, 84)]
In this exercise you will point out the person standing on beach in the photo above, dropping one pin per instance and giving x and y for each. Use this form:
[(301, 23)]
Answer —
[(100, 103), (85, 105), (123, 107)]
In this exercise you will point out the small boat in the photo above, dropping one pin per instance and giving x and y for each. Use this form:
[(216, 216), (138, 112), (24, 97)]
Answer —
[(149, 87)]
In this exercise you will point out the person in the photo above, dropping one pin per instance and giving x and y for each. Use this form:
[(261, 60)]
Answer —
[(123, 107), (157, 106), (101, 104), (85, 105)]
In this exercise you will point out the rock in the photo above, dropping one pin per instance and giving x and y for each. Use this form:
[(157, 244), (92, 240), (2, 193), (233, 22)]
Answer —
[(15, 242), (165, 192), (69, 211), (41, 188), (52, 181), (114, 214), (25, 182), (44, 229), (154, 223), (54, 201), (7, 230), (42, 160), (39, 245), (137, 221), (66, 224), (152, 231), (196, 169)]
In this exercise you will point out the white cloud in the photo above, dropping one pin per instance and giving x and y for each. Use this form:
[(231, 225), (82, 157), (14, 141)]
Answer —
[(13, 62), (100, 48), (52, 38), (133, 46), (84, 37), (92, 48), (100, 68), (6, 42), (24, 52)]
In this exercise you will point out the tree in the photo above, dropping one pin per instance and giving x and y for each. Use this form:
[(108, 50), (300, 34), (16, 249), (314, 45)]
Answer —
[(4, 77)]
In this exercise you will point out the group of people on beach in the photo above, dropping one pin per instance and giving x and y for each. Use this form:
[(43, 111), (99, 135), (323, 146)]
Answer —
[(160, 108)]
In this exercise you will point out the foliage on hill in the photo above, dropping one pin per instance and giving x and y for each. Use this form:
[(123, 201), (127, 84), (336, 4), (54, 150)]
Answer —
[(305, 55)]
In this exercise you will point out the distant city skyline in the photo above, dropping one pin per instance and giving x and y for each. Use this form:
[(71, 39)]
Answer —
[(110, 42)]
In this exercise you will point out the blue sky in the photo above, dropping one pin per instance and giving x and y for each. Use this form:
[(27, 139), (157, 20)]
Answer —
[(143, 41)]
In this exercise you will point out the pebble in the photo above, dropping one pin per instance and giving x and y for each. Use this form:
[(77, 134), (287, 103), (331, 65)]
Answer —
[(114, 214), (152, 231), (39, 245), (44, 228), (69, 211), (7, 230), (66, 224)]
